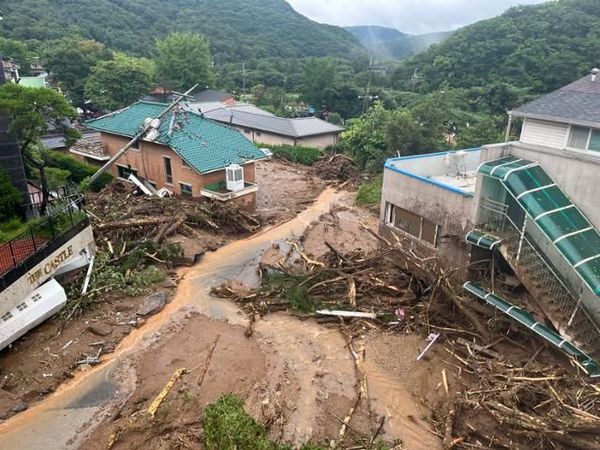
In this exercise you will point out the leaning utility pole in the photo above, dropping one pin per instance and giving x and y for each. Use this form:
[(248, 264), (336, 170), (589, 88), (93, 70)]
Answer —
[(141, 134)]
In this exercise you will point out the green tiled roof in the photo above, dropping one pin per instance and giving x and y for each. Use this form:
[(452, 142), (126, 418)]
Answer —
[(202, 143)]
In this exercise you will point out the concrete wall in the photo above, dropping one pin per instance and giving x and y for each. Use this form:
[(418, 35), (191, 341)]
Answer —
[(540, 132), (262, 137), (321, 142), (575, 172), (148, 160), (451, 211), (46, 269)]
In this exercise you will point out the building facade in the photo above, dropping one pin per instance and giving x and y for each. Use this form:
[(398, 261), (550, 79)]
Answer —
[(530, 205), (189, 155)]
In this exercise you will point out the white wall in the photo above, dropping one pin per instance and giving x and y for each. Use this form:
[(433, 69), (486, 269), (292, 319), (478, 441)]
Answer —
[(539, 132), (46, 269)]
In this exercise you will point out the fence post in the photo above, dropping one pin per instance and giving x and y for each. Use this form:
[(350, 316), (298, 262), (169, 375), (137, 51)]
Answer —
[(12, 253), (33, 240), (52, 227)]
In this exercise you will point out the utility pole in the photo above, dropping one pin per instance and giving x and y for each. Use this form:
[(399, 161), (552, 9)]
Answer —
[(368, 98), (244, 78), (141, 134)]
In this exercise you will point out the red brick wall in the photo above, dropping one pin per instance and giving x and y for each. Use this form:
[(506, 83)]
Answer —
[(148, 160)]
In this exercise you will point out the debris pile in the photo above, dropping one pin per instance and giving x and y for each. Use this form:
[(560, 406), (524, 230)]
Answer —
[(337, 167), (124, 222), (508, 390)]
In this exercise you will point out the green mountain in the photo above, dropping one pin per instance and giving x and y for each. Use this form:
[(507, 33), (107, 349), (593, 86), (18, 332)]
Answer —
[(539, 48), (389, 43), (236, 29)]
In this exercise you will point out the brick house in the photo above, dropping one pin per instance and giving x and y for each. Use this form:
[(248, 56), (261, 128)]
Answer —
[(191, 156)]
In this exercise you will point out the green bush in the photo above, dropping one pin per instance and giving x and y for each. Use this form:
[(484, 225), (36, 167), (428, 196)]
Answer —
[(80, 171), (369, 193), (11, 200), (228, 427), (11, 228), (302, 155)]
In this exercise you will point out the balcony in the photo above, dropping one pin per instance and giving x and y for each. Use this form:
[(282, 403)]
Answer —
[(219, 191)]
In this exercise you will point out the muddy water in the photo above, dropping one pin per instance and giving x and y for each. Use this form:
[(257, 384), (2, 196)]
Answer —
[(390, 397), (61, 420)]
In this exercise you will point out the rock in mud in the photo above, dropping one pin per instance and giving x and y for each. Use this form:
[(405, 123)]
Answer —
[(19, 407), (152, 304), (99, 330)]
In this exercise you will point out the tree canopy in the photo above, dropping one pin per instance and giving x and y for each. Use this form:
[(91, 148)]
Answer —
[(116, 83), (32, 110), (71, 60), (183, 59), (238, 30), (539, 47)]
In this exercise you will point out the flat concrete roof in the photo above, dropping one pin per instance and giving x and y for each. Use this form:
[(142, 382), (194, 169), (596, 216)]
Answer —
[(455, 171)]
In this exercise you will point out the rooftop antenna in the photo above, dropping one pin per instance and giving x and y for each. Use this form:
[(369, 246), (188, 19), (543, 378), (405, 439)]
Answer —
[(148, 127)]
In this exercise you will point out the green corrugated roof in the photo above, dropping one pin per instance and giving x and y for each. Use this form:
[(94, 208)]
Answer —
[(553, 212), (202, 143), (589, 365)]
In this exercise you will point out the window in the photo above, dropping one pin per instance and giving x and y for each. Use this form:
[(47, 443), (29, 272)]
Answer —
[(258, 133), (579, 137), (584, 138), (246, 130), (22, 306), (168, 170), (595, 141), (186, 189), (125, 171), (6, 317), (36, 298), (412, 224)]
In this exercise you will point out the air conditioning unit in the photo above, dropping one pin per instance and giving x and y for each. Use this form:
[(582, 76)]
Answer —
[(235, 177)]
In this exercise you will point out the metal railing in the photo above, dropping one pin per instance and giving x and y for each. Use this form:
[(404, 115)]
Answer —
[(67, 214), (534, 263)]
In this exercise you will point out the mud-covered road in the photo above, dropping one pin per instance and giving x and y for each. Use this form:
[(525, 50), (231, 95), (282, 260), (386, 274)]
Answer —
[(299, 374)]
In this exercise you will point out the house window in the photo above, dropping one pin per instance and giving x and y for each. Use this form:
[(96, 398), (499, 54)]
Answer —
[(36, 298), (22, 306), (168, 170), (411, 223), (186, 189), (584, 138), (258, 133), (6, 317), (125, 171), (246, 130)]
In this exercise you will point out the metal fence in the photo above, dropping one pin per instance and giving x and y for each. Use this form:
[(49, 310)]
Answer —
[(67, 213)]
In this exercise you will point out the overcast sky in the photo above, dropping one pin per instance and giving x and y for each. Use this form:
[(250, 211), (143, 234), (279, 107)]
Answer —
[(410, 16)]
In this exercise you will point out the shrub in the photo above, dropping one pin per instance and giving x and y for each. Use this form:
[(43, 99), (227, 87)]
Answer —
[(302, 155), (79, 170), (369, 193), (11, 200)]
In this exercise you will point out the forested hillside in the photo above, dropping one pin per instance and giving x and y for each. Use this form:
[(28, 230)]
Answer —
[(236, 29), (539, 48), (389, 43)]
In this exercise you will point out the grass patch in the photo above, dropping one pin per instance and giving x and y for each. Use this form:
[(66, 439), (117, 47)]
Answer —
[(302, 155), (291, 288), (12, 228), (226, 426), (369, 193)]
